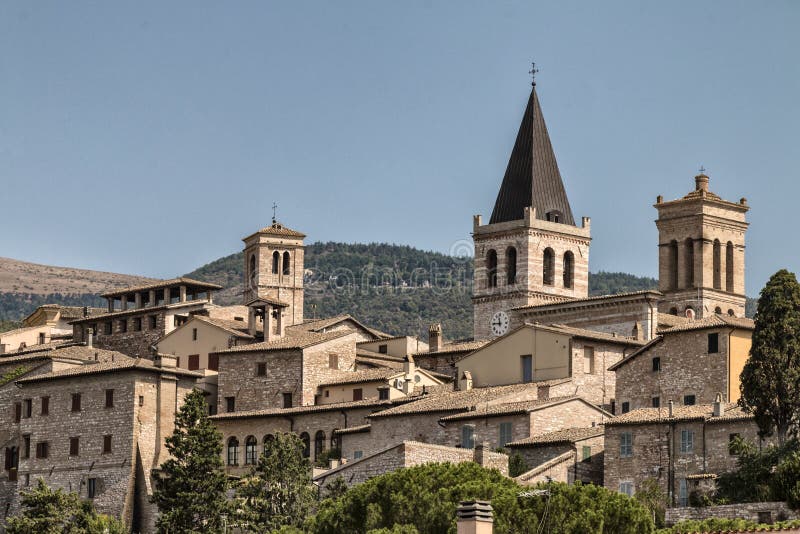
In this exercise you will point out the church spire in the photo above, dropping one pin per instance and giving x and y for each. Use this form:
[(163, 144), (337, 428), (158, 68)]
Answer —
[(532, 177)]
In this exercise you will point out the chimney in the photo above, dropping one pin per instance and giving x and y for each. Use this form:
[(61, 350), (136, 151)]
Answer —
[(474, 517), (479, 454), (90, 337), (85, 312), (409, 369), (166, 361), (701, 182), (671, 408), (435, 337), (719, 408), (467, 378)]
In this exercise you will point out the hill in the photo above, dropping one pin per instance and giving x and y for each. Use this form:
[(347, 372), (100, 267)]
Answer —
[(396, 288)]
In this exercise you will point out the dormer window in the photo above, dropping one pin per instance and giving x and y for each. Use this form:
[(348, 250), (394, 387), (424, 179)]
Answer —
[(554, 216)]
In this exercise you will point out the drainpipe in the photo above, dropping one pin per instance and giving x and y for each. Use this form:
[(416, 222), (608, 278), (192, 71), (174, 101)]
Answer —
[(291, 422)]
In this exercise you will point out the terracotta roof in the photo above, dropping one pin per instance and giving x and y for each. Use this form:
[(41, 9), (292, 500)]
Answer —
[(352, 430), (299, 341), (457, 401), (24, 329), (456, 346), (135, 364), (397, 365), (318, 325), (511, 408), (140, 311), (698, 412), (39, 348), (68, 312), (715, 321), (641, 350), (360, 377), (568, 456), (390, 338), (268, 300), (73, 351), (568, 435), (161, 284), (236, 328), (532, 177), (585, 333), (616, 296), (369, 403), (668, 320), (279, 229)]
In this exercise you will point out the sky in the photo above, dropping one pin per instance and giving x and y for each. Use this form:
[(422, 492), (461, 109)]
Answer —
[(150, 137)]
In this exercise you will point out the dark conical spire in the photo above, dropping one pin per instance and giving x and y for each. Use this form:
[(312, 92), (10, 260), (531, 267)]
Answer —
[(532, 177)]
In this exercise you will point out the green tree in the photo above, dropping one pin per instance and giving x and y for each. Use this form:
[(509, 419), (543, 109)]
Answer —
[(336, 488), (426, 497), (517, 465), (49, 511), (190, 487), (770, 380), (654, 499), (278, 490)]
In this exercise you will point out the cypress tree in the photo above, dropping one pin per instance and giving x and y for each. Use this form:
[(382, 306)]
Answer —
[(191, 484)]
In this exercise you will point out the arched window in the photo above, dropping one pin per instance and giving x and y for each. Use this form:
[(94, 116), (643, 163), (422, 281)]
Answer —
[(276, 259), (731, 313), (688, 262), (673, 264), (511, 266), (569, 269), (491, 267), (252, 267), (673, 311), (267, 440), (717, 269), (717, 310), (233, 451), (334, 439), (306, 439), (286, 267), (250, 454), (729, 267), (319, 443), (548, 266)]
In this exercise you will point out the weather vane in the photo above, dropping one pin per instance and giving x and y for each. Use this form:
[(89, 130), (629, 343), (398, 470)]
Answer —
[(274, 207), (533, 72)]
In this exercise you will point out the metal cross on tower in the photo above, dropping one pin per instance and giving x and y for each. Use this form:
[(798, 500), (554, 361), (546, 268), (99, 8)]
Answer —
[(274, 207), (702, 170), (533, 72)]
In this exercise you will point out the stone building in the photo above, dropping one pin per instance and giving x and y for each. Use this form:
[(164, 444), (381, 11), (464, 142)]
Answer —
[(689, 364), (201, 336), (701, 253), (531, 251), (563, 456), (682, 448), (139, 316), (98, 429), (59, 318)]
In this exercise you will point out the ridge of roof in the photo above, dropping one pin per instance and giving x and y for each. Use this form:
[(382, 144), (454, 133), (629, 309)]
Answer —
[(641, 350), (278, 229), (567, 435), (136, 364), (300, 341), (509, 408), (532, 177), (314, 408), (158, 284), (697, 412), (714, 321)]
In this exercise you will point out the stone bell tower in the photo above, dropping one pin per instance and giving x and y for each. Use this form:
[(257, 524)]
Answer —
[(531, 251), (701, 242), (273, 282)]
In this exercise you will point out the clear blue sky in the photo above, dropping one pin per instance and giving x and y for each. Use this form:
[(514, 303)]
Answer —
[(149, 137)]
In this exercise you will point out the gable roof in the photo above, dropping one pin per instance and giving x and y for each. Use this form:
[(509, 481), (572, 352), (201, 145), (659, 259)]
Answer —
[(714, 321), (136, 364), (456, 347), (697, 412), (567, 435), (315, 408), (513, 408), (300, 340), (532, 177), (641, 350), (320, 325), (159, 284), (278, 229)]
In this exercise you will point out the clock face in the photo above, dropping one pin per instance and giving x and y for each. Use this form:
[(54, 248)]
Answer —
[(499, 324)]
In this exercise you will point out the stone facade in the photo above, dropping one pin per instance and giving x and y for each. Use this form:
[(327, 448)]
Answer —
[(760, 512), (576, 466), (701, 243), (409, 454)]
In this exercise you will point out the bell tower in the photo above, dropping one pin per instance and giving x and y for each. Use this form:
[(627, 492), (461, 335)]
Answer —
[(701, 242), (274, 268), (531, 251)]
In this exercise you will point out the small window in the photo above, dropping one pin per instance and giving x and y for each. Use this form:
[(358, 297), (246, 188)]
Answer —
[(153, 320), (713, 343), (123, 325), (548, 266), (327, 393), (276, 260), (213, 362), (137, 324), (626, 407), (656, 364), (42, 449), (45, 405), (588, 360), (107, 444), (141, 400), (358, 394), (527, 368), (586, 454), (287, 400), (467, 437), (625, 445), (383, 394), (286, 263), (506, 430), (27, 408), (91, 488), (230, 404), (109, 398), (76, 402), (689, 400), (687, 441), (74, 446), (626, 488), (233, 451), (107, 328), (383, 349), (17, 412), (333, 361), (683, 492), (194, 362), (357, 455), (261, 369), (26, 446), (194, 334), (656, 402)]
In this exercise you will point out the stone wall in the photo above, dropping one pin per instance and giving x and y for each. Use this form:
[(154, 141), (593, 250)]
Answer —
[(237, 378), (590, 471), (591, 379), (761, 512), (487, 429), (316, 364)]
